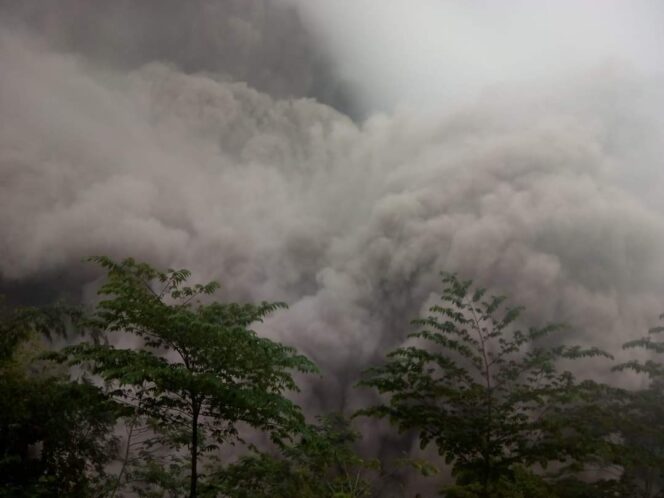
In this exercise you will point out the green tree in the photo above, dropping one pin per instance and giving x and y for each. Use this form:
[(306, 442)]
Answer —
[(200, 371), (642, 419), (55, 435), (320, 464), (487, 393)]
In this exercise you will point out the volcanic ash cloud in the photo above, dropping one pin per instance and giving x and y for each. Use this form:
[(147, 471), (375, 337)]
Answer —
[(532, 192)]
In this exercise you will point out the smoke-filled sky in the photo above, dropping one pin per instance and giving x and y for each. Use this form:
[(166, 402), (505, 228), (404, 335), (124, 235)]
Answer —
[(337, 155), (432, 52)]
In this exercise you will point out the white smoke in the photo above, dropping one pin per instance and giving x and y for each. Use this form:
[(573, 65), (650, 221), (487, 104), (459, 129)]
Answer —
[(435, 53), (547, 192)]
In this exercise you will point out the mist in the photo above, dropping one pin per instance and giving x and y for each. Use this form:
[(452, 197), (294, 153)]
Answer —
[(338, 157), (439, 54)]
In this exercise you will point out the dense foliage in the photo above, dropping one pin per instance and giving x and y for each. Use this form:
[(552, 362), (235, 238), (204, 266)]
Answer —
[(642, 419), (487, 393), (55, 435), (164, 377), (321, 464), (200, 370)]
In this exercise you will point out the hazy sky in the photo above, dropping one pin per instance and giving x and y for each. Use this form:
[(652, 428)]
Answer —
[(436, 52)]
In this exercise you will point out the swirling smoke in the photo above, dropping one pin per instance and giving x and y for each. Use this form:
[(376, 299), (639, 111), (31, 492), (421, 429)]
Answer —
[(337, 158)]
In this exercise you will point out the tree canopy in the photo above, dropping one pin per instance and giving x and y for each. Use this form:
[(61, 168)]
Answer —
[(200, 370), (165, 377), (485, 391), (56, 436)]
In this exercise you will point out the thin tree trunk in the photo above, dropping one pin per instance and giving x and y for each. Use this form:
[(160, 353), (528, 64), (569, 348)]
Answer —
[(194, 448), (125, 461), (489, 404)]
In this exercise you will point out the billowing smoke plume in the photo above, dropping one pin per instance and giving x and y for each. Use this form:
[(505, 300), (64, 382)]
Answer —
[(178, 132), (255, 41)]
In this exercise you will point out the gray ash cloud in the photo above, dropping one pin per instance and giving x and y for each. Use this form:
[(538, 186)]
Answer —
[(195, 158), (261, 42)]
